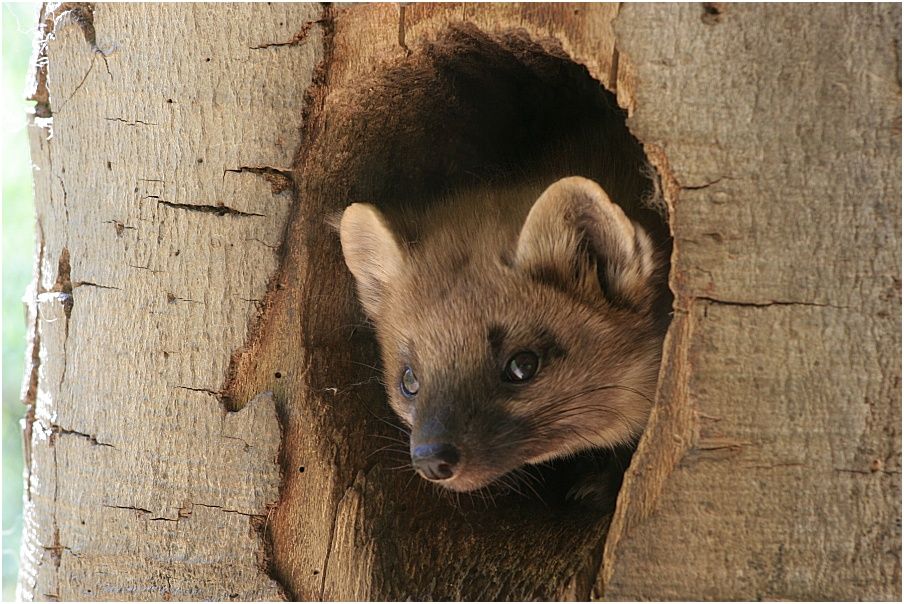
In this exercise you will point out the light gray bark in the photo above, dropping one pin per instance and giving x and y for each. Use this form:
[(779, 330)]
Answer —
[(772, 466), (157, 236)]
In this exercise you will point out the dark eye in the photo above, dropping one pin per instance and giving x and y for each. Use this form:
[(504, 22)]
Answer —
[(409, 383), (522, 367)]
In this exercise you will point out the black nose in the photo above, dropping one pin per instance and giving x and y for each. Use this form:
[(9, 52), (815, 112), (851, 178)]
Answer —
[(435, 461)]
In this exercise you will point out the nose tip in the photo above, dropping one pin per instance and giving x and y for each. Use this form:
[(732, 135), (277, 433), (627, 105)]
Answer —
[(435, 461)]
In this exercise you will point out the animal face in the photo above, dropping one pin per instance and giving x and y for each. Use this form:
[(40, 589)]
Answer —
[(509, 340)]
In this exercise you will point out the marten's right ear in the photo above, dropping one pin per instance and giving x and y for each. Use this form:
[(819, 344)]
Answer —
[(372, 252), (577, 239)]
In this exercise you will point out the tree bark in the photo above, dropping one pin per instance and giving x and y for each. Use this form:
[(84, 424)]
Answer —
[(774, 453), (161, 202), (206, 419)]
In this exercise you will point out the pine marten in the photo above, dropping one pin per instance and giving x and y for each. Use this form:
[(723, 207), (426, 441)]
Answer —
[(516, 326)]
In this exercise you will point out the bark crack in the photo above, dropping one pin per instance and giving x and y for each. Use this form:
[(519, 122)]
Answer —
[(128, 123), (295, 40), (55, 554), (33, 360), (280, 179), (172, 298), (204, 390), (766, 303), (145, 268), (63, 289), (27, 428), (230, 511), (127, 507), (90, 437), (701, 186), (241, 440), (77, 87), (183, 512), (263, 243), (218, 210), (98, 285), (65, 197)]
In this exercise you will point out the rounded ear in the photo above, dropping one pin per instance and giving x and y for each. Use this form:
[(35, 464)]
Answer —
[(577, 239), (372, 253)]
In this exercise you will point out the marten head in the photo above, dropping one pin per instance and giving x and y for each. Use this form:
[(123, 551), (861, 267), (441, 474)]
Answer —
[(511, 345)]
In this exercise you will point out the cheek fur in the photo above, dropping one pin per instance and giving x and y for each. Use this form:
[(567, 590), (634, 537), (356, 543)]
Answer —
[(403, 408)]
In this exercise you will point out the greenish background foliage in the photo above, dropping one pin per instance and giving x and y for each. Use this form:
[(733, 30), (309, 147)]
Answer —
[(18, 243)]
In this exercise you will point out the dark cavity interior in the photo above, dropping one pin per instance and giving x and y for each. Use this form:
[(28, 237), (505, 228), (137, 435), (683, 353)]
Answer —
[(463, 110)]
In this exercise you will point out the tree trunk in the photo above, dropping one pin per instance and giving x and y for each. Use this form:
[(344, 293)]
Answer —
[(206, 419)]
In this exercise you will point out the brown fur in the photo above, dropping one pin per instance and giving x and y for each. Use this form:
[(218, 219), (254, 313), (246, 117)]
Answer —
[(455, 292)]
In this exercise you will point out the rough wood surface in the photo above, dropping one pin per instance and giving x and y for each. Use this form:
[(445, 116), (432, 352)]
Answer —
[(185, 267), (158, 231), (771, 468)]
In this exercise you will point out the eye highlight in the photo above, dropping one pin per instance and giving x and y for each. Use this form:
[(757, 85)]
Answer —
[(521, 367), (409, 384)]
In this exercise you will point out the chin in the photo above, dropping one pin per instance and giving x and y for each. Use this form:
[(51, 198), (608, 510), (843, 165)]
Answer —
[(470, 481), (465, 484)]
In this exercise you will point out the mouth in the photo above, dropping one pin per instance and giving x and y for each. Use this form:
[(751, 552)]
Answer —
[(460, 477), (464, 483)]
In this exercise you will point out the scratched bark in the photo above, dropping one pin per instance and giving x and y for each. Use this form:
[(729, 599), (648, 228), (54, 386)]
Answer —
[(185, 267), (157, 236)]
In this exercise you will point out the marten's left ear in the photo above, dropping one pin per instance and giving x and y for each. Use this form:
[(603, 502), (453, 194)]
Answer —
[(372, 252), (577, 239)]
